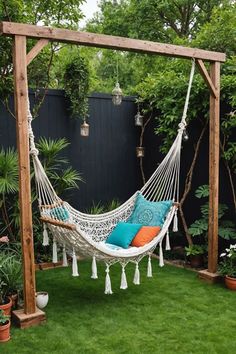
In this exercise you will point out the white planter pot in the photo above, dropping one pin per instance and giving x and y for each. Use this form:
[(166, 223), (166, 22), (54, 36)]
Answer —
[(41, 299)]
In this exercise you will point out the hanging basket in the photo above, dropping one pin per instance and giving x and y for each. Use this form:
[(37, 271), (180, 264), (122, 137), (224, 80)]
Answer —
[(140, 151)]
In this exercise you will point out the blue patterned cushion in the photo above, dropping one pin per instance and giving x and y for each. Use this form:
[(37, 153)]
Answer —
[(60, 213), (123, 234), (149, 213)]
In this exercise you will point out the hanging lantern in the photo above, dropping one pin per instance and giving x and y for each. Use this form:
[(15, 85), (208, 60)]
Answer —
[(140, 151), (117, 95), (84, 129), (138, 119)]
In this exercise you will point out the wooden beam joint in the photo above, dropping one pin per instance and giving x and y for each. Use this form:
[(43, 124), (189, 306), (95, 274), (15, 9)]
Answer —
[(206, 77), (36, 50)]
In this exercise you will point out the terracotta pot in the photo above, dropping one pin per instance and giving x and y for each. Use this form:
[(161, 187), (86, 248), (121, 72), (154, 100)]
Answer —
[(196, 261), (5, 332), (7, 307), (230, 283)]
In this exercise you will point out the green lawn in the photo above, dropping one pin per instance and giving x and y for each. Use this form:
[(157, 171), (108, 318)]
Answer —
[(173, 312)]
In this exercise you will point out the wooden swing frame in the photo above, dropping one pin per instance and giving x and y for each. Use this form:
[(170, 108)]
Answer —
[(30, 315)]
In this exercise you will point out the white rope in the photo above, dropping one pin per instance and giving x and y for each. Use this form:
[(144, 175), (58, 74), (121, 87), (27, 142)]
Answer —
[(149, 268), (168, 241), (136, 279), (108, 289), (45, 235), (75, 272), (54, 251), (94, 269), (123, 283), (64, 262), (161, 259)]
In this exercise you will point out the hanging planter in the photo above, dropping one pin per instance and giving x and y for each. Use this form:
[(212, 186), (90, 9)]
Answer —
[(41, 299), (138, 119), (84, 129), (140, 151)]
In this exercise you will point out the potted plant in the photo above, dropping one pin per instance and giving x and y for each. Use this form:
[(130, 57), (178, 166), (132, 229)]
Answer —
[(4, 327), (11, 281), (195, 254), (227, 267)]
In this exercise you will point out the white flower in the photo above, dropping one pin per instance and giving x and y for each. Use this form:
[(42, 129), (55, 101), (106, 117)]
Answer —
[(223, 254), (232, 246), (229, 255)]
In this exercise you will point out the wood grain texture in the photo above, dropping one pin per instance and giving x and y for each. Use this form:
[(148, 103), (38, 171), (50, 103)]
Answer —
[(106, 41), (20, 94), (206, 77), (58, 223), (36, 50), (214, 127)]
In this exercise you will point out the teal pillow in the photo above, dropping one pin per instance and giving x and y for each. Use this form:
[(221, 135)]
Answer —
[(59, 213), (149, 213), (123, 234)]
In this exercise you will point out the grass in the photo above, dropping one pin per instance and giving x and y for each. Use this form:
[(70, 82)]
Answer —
[(173, 312)]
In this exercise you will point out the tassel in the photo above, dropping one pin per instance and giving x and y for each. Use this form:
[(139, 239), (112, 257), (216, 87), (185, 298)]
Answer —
[(94, 269), (175, 223), (45, 236), (74, 265), (149, 268), (64, 263), (161, 260), (168, 241), (136, 280), (54, 251), (123, 284), (108, 289)]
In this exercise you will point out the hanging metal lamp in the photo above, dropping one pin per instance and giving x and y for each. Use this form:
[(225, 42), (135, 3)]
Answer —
[(84, 129), (117, 92), (138, 119), (140, 151), (117, 95)]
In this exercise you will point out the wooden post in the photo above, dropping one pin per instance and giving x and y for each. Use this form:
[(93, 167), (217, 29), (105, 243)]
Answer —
[(21, 94), (214, 168)]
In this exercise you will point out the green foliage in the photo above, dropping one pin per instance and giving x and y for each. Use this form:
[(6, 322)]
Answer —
[(99, 208), (3, 318), (194, 250), (8, 172), (76, 84), (11, 274), (227, 229)]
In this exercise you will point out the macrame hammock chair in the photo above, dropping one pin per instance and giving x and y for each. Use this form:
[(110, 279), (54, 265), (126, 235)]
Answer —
[(85, 235)]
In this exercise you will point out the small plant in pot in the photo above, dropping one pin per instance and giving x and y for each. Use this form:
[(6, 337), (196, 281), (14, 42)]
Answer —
[(195, 254), (4, 327), (227, 267), (11, 281)]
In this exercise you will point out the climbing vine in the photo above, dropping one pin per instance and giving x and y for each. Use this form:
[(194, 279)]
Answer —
[(76, 84)]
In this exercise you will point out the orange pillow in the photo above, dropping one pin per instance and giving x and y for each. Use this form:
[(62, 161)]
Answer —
[(145, 235)]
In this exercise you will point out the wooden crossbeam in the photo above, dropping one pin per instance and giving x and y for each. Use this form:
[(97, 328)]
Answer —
[(58, 223), (206, 77), (36, 50), (106, 41)]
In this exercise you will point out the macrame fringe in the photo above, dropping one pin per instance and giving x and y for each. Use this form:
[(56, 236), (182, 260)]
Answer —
[(108, 290), (54, 251), (161, 259), (94, 269), (168, 241), (123, 283), (45, 236), (74, 265), (149, 268), (136, 279), (65, 262), (175, 222)]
